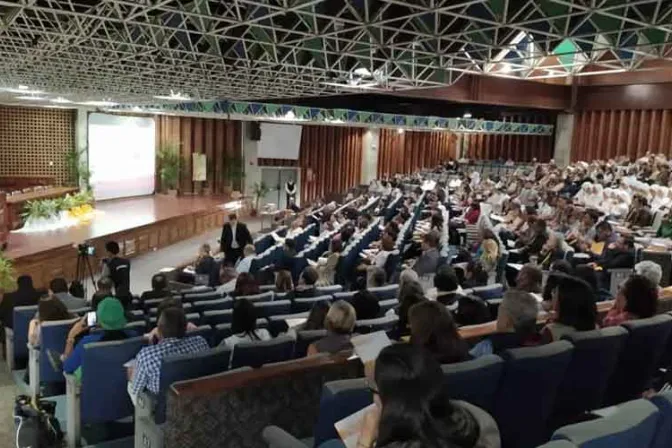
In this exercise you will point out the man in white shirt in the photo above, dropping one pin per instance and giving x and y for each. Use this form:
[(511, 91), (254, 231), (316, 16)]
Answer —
[(245, 262), (228, 277)]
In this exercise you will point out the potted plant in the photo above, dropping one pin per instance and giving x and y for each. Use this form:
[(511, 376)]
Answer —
[(7, 274), (79, 173), (234, 173), (259, 191), (169, 167)]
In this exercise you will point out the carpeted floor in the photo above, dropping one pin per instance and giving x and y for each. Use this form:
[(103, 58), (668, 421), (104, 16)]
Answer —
[(142, 269)]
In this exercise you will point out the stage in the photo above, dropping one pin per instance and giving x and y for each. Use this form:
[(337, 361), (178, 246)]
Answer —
[(139, 225)]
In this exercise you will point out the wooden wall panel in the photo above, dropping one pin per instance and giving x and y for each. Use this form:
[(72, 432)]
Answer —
[(330, 159), (605, 134), (219, 140), (520, 148), (413, 150), (34, 142)]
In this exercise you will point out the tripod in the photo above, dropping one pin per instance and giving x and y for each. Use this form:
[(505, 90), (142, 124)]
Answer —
[(84, 268)]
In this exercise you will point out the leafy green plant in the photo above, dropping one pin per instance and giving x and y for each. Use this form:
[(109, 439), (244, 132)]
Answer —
[(234, 171), (169, 165), (35, 210), (78, 170), (259, 190), (7, 273), (65, 203), (82, 198)]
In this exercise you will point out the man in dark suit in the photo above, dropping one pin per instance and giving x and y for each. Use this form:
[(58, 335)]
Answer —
[(234, 238)]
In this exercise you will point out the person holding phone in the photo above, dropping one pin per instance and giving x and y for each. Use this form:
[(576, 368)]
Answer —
[(105, 324)]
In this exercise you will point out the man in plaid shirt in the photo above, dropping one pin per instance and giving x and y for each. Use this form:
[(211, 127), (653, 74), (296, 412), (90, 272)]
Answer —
[(172, 327)]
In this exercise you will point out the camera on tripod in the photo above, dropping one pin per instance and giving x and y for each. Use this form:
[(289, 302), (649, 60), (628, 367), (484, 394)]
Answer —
[(86, 249)]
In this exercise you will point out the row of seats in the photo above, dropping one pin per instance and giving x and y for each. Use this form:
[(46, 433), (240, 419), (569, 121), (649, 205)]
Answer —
[(531, 391), (638, 423), (273, 254)]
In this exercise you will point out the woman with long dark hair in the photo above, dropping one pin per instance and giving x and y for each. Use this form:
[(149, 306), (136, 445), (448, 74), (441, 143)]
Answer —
[(433, 328), (413, 407), (244, 324), (574, 305)]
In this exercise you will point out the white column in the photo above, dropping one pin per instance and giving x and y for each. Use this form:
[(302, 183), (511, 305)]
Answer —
[(371, 141), (564, 132), (250, 159), (82, 133)]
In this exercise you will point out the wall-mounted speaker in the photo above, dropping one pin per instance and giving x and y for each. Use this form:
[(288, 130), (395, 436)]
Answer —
[(255, 131)]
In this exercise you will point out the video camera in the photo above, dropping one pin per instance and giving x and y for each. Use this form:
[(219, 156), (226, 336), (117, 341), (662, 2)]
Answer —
[(86, 249)]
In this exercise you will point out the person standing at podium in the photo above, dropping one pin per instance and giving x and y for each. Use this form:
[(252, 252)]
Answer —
[(235, 236)]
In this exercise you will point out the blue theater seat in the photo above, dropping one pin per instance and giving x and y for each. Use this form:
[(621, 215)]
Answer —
[(89, 402), (257, 353), (53, 337), (639, 358), (527, 391), (633, 424), (212, 305), (217, 317), (663, 437), (347, 296), (385, 292), (223, 331), (595, 356), (263, 297), (204, 331), (475, 381), (385, 323), (304, 339), (386, 305), (328, 290), (16, 339), (301, 305), (277, 307)]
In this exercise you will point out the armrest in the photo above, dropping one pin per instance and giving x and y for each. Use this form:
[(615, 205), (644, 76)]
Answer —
[(9, 348), (277, 437), (73, 391), (34, 370), (145, 405)]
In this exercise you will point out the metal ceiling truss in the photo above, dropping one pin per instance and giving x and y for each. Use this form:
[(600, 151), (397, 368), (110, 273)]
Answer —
[(253, 111), (132, 50)]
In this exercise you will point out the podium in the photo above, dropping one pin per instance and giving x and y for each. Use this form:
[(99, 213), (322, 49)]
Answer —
[(4, 218)]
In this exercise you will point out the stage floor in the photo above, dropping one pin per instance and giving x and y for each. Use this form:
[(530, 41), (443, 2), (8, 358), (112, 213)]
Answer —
[(114, 216)]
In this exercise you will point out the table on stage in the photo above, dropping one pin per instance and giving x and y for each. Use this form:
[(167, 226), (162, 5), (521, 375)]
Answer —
[(16, 202)]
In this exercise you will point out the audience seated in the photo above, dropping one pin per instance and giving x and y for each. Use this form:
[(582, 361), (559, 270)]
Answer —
[(307, 284), (637, 298), (246, 285), (375, 277), (283, 282), (516, 325), (574, 309), (316, 317), (105, 290), (244, 325), (205, 263), (339, 323), (413, 408), (243, 265), (172, 327), (433, 328), (326, 266), (159, 288), (466, 310), (228, 277), (48, 309), (111, 320), (366, 305), (429, 260), (25, 295), (58, 288)]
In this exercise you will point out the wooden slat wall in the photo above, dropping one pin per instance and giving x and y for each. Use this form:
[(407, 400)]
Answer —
[(410, 151), (332, 155), (605, 134), (520, 148), (219, 140)]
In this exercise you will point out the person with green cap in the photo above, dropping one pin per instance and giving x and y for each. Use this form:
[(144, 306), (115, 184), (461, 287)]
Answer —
[(111, 319)]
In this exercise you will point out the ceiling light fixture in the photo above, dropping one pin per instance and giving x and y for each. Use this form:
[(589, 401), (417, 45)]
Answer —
[(61, 100), (22, 90), (31, 98), (174, 96), (506, 67), (22, 87), (466, 115), (103, 103), (400, 131)]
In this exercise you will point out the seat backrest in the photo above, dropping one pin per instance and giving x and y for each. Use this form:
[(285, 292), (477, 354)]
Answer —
[(331, 289), (212, 305), (223, 331), (22, 317), (639, 358), (558, 444), (664, 259), (475, 381), (633, 424), (301, 305), (268, 309), (257, 353), (204, 331), (527, 392), (347, 296), (201, 296), (263, 297), (339, 399), (385, 292), (304, 339), (103, 364), (53, 337), (493, 291), (595, 356), (217, 317), (185, 367), (663, 438), (384, 323), (386, 305)]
